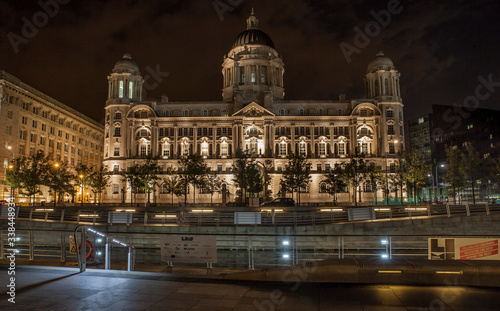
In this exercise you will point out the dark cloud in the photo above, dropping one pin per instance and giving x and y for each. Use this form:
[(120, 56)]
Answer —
[(439, 47)]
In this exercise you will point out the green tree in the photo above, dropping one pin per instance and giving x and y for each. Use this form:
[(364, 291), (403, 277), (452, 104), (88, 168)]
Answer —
[(334, 183), (296, 174), (240, 166), (33, 174), (58, 178), (98, 181), (471, 168), (255, 180), (148, 176), (173, 184), (353, 174), (194, 172), (398, 178), (453, 177), (212, 185), (416, 173), (15, 174), (376, 178), (82, 178), (133, 179)]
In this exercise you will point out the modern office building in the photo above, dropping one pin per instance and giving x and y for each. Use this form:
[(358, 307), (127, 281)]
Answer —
[(420, 137), (252, 116), (31, 121)]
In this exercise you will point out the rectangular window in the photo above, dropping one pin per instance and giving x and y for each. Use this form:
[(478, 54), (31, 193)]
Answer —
[(116, 152), (166, 150), (302, 149), (219, 168), (116, 188), (44, 127), (390, 113), (262, 78), (327, 167), (117, 132), (143, 150), (33, 138), (318, 167), (390, 129), (59, 133), (253, 77), (42, 141), (51, 131), (391, 148), (10, 114), (116, 168), (9, 130), (24, 120)]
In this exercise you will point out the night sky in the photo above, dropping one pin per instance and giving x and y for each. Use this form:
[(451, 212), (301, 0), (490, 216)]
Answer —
[(440, 47)]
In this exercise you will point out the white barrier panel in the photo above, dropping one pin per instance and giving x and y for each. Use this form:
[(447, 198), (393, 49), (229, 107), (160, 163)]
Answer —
[(193, 249)]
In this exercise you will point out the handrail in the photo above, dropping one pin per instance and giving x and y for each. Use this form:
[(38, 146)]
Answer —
[(82, 252)]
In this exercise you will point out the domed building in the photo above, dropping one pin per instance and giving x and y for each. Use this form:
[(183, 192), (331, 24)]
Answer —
[(253, 116)]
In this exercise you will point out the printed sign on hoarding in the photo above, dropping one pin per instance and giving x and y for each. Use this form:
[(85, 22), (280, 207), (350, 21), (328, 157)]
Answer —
[(463, 249), (191, 249)]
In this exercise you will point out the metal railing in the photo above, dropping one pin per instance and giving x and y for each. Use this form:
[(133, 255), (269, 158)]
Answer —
[(233, 251), (224, 216)]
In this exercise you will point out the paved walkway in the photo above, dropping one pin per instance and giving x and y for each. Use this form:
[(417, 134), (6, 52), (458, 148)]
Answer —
[(56, 288)]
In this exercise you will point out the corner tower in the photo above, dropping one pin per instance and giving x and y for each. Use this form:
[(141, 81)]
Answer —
[(252, 70), (382, 84)]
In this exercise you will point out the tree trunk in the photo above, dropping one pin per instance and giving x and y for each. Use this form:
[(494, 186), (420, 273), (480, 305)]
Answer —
[(473, 193)]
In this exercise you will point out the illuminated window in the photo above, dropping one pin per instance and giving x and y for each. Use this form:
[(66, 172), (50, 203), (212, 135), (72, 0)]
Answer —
[(364, 148), (120, 89), (166, 150), (223, 112), (262, 78), (322, 148), (283, 148), (143, 150), (204, 149), (185, 148), (341, 148), (253, 77), (224, 149), (302, 149), (130, 89)]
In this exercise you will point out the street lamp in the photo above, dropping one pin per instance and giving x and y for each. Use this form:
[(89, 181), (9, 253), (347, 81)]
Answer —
[(81, 187), (386, 172)]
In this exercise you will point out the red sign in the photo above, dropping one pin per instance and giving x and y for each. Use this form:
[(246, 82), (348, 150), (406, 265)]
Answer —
[(479, 250)]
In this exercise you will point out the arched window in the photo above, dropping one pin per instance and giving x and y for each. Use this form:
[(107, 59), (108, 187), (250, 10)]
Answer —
[(204, 149), (223, 112), (301, 111), (367, 187), (143, 133), (166, 113), (120, 89), (283, 148), (143, 149), (224, 149), (253, 131), (130, 89), (204, 112), (144, 114), (303, 148), (322, 148), (323, 187), (340, 111), (341, 148), (185, 112), (166, 150), (320, 111), (185, 148), (281, 111)]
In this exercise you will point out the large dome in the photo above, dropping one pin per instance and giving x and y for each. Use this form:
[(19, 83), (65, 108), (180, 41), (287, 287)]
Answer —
[(381, 62), (126, 64), (253, 36)]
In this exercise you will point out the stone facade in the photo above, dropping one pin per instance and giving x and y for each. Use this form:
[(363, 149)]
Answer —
[(31, 121), (254, 117)]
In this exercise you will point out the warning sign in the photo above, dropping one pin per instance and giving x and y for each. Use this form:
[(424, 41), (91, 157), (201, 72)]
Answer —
[(479, 250), (72, 244)]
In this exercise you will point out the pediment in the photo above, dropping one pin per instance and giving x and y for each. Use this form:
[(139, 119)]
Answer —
[(253, 110)]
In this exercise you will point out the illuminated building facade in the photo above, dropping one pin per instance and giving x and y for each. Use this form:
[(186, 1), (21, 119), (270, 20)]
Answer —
[(253, 116), (31, 121)]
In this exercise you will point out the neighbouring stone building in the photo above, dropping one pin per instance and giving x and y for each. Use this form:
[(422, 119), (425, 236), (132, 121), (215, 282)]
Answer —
[(252, 116), (31, 121)]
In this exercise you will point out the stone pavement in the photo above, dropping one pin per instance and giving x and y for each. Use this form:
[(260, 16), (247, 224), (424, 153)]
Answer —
[(60, 288)]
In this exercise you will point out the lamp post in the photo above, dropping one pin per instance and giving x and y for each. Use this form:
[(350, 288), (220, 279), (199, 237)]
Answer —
[(437, 179), (386, 172), (56, 165), (81, 187), (11, 200)]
